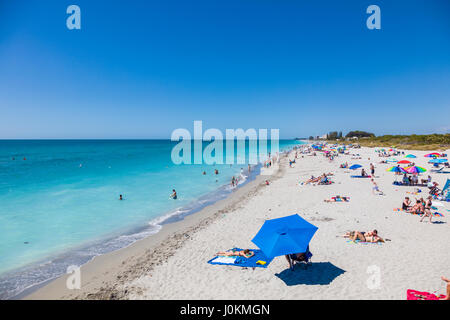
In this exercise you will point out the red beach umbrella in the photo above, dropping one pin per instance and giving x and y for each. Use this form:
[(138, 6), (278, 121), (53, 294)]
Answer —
[(404, 162)]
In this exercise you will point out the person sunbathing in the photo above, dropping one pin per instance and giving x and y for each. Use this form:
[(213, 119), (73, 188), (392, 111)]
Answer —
[(312, 179), (242, 253), (337, 199), (370, 236), (324, 179)]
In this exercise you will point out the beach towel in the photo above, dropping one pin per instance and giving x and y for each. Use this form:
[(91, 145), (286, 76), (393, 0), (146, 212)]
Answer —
[(225, 260), (360, 176), (256, 261), (422, 295)]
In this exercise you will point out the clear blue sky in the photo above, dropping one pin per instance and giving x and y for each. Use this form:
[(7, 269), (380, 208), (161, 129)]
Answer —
[(140, 69)]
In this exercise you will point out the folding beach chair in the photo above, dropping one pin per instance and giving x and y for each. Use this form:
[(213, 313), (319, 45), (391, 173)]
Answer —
[(440, 170), (304, 258)]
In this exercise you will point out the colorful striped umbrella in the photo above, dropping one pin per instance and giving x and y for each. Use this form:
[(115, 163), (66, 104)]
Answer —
[(433, 154), (415, 169), (396, 169)]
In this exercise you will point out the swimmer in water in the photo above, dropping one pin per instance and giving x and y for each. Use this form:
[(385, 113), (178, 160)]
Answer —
[(174, 194), (120, 197), (216, 171), (204, 173)]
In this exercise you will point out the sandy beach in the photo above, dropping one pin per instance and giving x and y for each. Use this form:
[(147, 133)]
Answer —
[(173, 263)]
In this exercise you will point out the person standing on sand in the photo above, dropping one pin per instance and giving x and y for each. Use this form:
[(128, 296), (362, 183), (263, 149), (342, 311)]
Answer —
[(447, 297), (372, 169)]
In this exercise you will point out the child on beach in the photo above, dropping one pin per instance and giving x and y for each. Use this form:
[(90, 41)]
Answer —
[(376, 189)]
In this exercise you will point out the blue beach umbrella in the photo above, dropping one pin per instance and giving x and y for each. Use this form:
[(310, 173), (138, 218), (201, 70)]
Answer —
[(286, 235), (438, 161), (355, 166)]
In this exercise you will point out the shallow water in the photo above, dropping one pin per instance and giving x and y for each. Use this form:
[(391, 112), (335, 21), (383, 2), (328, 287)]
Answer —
[(59, 200)]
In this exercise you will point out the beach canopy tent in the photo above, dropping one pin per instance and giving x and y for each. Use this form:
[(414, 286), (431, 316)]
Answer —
[(446, 190), (410, 156), (355, 166), (286, 235), (396, 169), (415, 169), (404, 162), (438, 160)]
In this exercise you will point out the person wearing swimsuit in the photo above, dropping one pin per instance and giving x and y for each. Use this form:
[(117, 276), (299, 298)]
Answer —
[(427, 210), (406, 204), (242, 253), (371, 236)]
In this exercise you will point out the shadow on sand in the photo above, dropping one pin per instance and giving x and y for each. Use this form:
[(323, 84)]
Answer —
[(317, 273)]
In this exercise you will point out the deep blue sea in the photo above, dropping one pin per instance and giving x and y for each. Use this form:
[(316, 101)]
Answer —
[(59, 200)]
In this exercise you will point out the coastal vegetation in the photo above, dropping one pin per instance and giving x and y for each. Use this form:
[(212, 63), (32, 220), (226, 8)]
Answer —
[(414, 142)]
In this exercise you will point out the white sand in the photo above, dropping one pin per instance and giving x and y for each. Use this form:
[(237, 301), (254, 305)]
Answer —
[(417, 255)]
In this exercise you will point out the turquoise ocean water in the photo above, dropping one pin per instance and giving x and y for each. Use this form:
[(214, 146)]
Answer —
[(59, 200)]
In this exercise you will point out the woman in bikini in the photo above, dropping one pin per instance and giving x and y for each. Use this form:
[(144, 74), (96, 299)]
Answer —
[(242, 253), (427, 210)]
